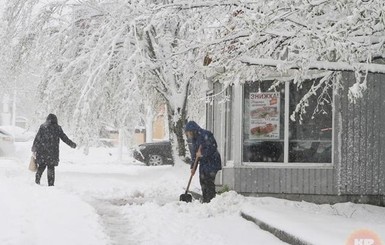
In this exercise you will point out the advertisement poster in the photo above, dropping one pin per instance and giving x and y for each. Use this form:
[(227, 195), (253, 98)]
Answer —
[(264, 115)]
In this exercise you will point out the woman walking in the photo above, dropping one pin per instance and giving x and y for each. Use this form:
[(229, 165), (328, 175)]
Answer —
[(46, 148)]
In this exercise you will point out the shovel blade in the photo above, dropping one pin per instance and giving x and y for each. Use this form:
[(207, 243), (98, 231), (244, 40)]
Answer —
[(185, 198)]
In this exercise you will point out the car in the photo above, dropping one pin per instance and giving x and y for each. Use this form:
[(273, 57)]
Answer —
[(7, 146), (108, 136), (19, 134), (154, 154)]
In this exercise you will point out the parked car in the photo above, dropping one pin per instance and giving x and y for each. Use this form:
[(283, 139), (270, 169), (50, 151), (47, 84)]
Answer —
[(19, 134), (108, 136), (7, 146), (154, 154)]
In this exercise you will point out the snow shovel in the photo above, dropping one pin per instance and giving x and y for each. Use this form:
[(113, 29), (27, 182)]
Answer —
[(187, 197)]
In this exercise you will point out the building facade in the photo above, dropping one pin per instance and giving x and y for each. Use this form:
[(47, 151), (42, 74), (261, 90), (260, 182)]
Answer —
[(332, 150)]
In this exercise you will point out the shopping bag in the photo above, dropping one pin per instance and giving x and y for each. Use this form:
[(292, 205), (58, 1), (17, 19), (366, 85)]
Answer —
[(32, 164)]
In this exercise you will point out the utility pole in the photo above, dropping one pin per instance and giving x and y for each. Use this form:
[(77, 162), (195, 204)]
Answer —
[(14, 109)]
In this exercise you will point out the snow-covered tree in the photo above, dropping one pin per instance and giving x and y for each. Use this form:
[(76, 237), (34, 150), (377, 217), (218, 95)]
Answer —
[(100, 64), (291, 39), (301, 34), (18, 78), (88, 51), (173, 62), (97, 59)]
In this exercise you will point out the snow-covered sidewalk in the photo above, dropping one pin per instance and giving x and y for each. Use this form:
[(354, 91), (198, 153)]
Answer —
[(317, 224), (97, 200), (32, 214)]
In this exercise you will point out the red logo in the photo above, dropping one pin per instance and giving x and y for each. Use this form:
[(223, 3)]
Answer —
[(364, 237)]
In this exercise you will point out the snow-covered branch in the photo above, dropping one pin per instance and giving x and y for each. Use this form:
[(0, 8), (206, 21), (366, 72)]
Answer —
[(317, 65), (188, 5)]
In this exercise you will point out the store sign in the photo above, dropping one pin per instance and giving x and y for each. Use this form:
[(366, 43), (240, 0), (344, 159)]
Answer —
[(264, 115)]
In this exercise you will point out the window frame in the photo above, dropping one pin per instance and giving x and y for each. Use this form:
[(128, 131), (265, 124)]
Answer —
[(210, 111), (229, 129), (286, 163)]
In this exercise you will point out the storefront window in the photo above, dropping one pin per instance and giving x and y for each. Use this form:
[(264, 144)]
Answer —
[(263, 124), (309, 140)]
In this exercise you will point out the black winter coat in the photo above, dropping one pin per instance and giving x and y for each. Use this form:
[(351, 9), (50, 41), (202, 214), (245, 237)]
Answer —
[(46, 143)]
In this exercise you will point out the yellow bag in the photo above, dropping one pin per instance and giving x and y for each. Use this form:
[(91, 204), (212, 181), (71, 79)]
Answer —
[(32, 164)]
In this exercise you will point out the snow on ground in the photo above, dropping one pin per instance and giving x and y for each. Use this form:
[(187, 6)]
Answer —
[(317, 224), (98, 200), (32, 214)]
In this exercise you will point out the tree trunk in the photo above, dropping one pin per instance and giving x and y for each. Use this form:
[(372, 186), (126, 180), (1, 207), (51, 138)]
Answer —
[(177, 130), (121, 144), (149, 124)]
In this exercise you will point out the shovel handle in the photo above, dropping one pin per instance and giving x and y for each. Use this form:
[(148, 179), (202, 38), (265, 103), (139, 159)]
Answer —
[(194, 167), (188, 185)]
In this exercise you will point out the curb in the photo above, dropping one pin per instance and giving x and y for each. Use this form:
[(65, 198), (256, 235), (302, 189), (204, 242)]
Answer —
[(280, 234)]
